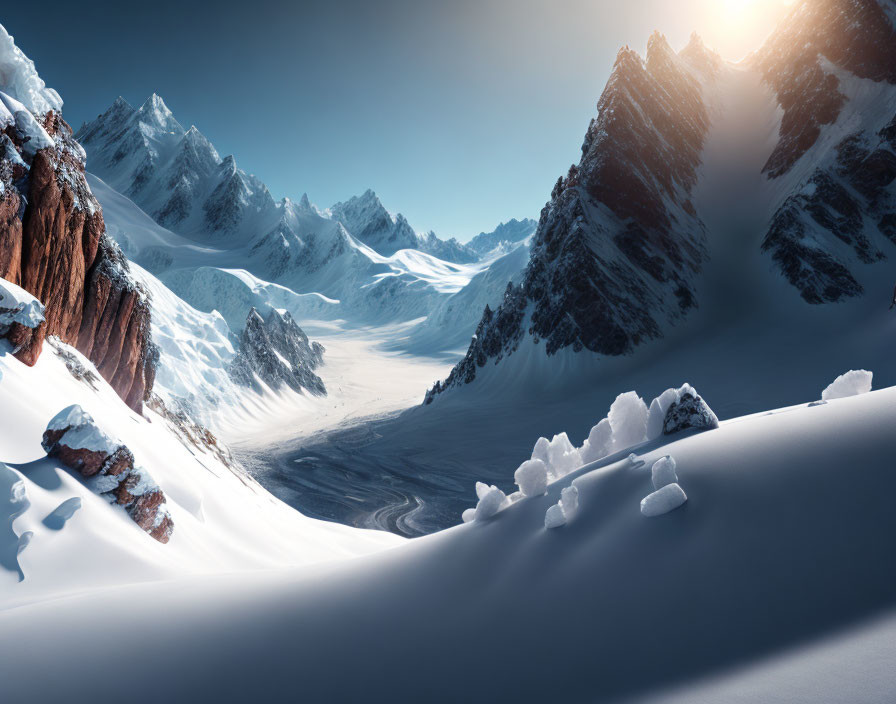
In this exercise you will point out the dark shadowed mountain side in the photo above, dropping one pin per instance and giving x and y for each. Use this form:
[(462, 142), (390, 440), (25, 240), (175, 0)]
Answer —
[(622, 255)]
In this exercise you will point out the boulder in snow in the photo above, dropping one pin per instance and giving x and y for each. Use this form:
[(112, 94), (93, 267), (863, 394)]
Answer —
[(73, 437), (669, 498), (689, 412), (853, 383)]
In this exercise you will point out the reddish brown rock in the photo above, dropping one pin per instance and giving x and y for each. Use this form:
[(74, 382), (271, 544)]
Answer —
[(129, 487), (59, 253), (11, 239)]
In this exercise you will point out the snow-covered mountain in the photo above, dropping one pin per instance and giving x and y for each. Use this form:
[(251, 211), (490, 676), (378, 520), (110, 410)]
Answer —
[(682, 207), (218, 239)]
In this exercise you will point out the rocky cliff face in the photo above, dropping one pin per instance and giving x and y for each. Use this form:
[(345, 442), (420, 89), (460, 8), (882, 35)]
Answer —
[(619, 244), (824, 57), (53, 244), (275, 351)]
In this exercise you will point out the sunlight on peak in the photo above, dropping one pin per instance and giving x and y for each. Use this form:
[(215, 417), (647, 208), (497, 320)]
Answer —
[(737, 27)]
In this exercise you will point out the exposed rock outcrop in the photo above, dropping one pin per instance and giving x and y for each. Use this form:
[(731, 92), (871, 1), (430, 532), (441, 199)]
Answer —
[(56, 249), (73, 436), (275, 351), (690, 412)]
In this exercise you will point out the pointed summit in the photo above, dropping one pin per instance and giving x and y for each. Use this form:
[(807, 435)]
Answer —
[(155, 113)]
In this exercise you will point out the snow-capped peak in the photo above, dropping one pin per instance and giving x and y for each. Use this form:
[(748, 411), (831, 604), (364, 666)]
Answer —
[(20, 80), (155, 113)]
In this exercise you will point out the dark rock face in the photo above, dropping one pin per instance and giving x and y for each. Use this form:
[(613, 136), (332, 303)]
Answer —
[(855, 35), (822, 228), (57, 250), (277, 352), (689, 413), (75, 439), (619, 245)]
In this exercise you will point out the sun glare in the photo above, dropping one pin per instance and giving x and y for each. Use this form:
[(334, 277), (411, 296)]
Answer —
[(735, 27)]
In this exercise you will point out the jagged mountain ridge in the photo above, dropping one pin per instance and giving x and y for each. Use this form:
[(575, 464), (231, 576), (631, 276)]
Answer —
[(833, 189), (275, 351)]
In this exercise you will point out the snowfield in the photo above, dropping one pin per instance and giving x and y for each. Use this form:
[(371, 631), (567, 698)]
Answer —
[(787, 538)]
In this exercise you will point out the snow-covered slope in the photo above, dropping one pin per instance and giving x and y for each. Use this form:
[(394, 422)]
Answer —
[(779, 557), (223, 519)]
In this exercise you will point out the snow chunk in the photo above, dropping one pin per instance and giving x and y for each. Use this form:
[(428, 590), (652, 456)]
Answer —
[(469, 515), (663, 472), (599, 443), (558, 455), (853, 383), (491, 501), (669, 498), (20, 79), (554, 518), (569, 501), (532, 477), (19, 306), (628, 420)]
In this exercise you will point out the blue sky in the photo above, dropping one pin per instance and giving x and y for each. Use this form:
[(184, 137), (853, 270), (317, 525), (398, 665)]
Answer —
[(460, 113)]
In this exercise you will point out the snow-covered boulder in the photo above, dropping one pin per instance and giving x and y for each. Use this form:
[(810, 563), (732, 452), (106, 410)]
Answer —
[(628, 420), (108, 466), (532, 477), (689, 411), (599, 443), (663, 472), (669, 498), (852, 383)]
